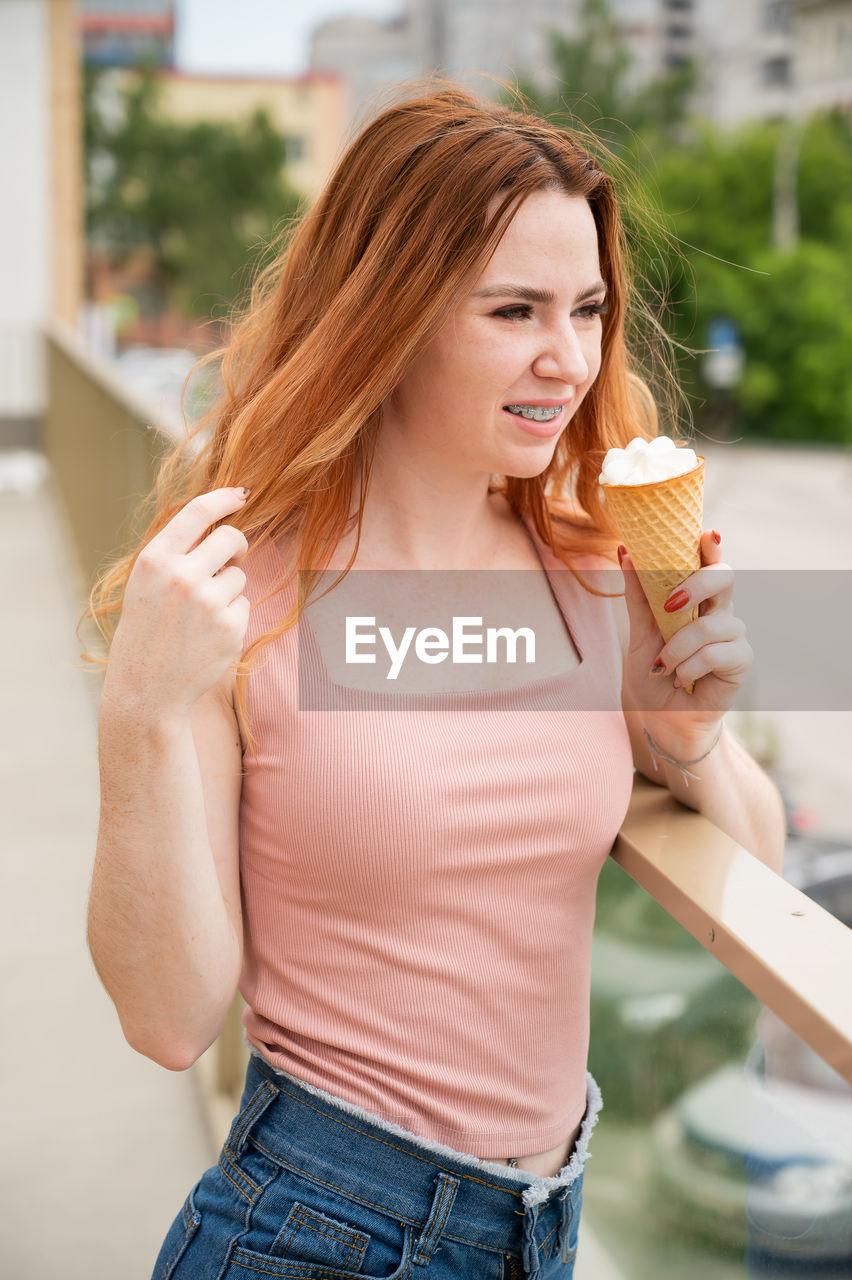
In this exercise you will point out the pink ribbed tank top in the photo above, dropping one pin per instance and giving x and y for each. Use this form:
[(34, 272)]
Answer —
[(419, 885)]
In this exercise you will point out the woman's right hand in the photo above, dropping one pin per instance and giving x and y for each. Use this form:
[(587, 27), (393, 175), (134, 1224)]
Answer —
[(184, 616)]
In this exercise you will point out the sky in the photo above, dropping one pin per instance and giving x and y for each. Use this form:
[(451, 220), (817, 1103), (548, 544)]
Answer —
[(269, 37)]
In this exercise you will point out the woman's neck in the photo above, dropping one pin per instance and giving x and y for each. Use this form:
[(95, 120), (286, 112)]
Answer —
[(414, 520)]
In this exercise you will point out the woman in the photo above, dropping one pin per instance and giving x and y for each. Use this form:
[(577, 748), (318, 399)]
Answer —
[(401, 884)]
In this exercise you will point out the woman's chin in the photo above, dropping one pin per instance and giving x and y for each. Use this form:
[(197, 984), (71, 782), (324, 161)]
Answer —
[(530, 463)]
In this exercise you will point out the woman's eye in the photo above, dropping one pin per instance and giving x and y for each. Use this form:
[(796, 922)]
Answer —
[(522, 311), (590, 309)]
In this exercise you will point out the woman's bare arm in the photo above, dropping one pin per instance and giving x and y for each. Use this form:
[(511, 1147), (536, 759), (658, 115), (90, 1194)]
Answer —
[(728, 786), (164, 925)]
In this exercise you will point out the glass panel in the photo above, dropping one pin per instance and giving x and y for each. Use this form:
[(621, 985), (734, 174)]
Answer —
[(724, 1149)]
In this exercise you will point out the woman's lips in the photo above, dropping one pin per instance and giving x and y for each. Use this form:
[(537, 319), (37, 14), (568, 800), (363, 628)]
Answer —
[(541, 430)]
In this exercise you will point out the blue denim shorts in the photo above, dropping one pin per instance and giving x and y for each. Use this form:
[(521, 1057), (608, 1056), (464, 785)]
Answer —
[(309, 1187)]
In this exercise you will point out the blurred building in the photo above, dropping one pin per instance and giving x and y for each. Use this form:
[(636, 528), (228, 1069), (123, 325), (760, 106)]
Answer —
[(367, 53), (484, 42), (757, 59), (122, 33), (774, 59), (660, 35), (308, 112), (41, 218), (823, 58), (746, 53)]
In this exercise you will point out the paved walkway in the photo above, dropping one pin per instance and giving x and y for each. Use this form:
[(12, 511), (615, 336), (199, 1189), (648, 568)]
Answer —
[(98, 1145)]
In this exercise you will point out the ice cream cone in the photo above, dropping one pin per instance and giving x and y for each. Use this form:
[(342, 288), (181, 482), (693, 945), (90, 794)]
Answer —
[(660, 525)]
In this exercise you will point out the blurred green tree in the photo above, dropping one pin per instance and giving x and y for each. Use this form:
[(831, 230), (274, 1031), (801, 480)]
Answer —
[(204, 197), (791, 303), (701, 216), (599, 90)]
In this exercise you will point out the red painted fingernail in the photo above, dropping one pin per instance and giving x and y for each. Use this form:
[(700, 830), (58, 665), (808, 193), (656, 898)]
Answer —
[(717, 537), (677, 601), (658, 667), (622, 552)]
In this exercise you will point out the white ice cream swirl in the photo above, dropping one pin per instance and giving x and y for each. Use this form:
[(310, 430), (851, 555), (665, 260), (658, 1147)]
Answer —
[(644, 461)]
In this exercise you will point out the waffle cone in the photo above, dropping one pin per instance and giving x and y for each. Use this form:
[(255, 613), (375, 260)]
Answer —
[(660, 525)]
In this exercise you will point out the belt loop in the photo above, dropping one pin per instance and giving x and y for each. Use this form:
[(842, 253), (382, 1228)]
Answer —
[(445, 1194), (253, 1110), (530, 1248)]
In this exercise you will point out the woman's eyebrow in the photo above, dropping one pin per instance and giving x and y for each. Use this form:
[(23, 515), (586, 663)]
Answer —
[(529, 294), (598, 287), (525, 291)]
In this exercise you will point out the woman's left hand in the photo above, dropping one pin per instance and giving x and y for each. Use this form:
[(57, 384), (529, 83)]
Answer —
[(712, 652)]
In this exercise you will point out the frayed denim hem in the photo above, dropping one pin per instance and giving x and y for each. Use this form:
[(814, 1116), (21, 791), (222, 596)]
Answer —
[(537, 1189), (541, 1188)]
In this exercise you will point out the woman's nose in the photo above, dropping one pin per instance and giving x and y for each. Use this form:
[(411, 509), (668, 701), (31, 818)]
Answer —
[(562, 357)]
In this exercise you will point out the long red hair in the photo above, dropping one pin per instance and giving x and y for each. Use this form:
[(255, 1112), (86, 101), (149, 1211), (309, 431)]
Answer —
[(365, 279)]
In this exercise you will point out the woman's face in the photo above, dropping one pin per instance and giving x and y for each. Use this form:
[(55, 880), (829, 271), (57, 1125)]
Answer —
[(501, 380)]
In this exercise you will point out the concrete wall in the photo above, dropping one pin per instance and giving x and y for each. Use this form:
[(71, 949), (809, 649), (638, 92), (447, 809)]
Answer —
[(104, 442), (823, 30), (67, 163), (26, 258), (41, 215)]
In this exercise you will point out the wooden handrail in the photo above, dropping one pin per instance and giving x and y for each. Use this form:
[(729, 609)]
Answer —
[(790, 952)]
